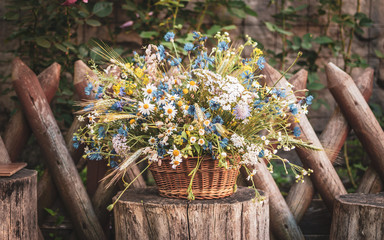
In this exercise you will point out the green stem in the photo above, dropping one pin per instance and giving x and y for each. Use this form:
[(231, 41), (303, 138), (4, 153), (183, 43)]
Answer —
[(348, 167), (201, 18), (175, 14)]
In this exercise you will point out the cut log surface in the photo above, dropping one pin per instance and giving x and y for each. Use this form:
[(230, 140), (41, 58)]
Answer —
[(358, 114), (17, 131), (358, 216), (143, 214), (332, 138), (324, 177), (58, 159), (18, 204)]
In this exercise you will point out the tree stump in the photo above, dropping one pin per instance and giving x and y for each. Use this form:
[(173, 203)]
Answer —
[(143, 214), (18, 206), (358, 216)]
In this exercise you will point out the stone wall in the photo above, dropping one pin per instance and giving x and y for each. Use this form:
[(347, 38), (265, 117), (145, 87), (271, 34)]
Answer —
[(253, 26)]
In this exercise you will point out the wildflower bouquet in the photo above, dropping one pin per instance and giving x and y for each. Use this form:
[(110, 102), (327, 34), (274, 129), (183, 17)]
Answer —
[(166, 109)]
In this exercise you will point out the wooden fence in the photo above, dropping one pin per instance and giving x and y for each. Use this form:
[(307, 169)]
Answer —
[(87, 207)]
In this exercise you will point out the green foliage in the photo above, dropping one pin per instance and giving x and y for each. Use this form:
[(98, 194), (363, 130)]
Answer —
[(313, 46)]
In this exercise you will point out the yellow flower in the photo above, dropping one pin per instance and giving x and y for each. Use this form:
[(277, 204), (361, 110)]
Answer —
[(257, 52), (139, 72), (185, 91), (247, 68), (296, 120)]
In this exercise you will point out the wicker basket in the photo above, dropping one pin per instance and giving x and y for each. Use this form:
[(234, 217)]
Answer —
[(210, 181)]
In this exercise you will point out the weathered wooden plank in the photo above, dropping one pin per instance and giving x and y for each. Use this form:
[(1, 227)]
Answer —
[(325, 178), (332, 138), (358, 114), (358, 216), (18, 206), (142, 214), (58, 159), (4, 156), (299, 82), (17, 131)]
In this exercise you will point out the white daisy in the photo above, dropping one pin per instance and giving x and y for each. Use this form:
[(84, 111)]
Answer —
[(148, 90), (174, 152), (192, 85), (146, 107), (193, 139), (201, 142), (251, 174), (201, 132), (176, 162), (152, 141), (170, 111), (206, 123), (190, 128)]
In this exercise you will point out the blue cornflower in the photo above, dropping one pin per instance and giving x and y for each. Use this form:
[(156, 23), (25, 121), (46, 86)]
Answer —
[(248, 77), (113, 164), (169, 36), (214, 105), (117, 106), (188, 47), (260, 63), (261, 153), (224, 143), (95, 155), (161, 52), (293, 109), (175, 62), (122, 131), (217, 119), (76, 143), (191, 110), (222, 46), (101, 132), (296, 131), (162, 86), (210, 60), (309, 99), (122, 92), (161, 151), (196, 35), (258, 104), (99, 92), (278, 92), (88, 89)]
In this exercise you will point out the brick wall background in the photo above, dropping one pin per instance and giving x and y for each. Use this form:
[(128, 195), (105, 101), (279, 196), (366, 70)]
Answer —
[(253, 26)]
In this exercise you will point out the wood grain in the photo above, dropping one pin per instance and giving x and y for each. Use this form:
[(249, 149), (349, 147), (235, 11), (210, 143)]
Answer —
[(143, 214), (358, 216), (58, 159), (325, 178), (358, 114), (17, 131), (18, 204), (332, 138)]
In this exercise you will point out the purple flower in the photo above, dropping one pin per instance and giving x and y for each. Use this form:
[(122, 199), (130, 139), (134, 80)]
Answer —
[(242, 111)]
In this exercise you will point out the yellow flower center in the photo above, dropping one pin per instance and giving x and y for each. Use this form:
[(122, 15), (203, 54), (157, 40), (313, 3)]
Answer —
[(185, 91), (176, 152), (176, 162), (132, 121), (149, 91), (146, 106), (169, 110), (179, 103), (192, 83)]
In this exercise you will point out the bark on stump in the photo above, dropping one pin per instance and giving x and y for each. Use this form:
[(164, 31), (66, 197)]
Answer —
[(18, 206), (358, 216), (143, 214)]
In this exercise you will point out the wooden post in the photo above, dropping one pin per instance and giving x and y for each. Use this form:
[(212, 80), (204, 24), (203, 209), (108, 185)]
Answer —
[(18, 204), (4, 156), (358, 114), (358, 216), (17, 131), (370, 182), (332, 138), (143, 214), (64, 173), (299, 82), (324, 177)]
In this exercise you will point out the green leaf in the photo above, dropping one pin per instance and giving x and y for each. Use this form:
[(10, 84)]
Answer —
[(229, 27), (238, 12), (274, 28), (379, 54), (61, 47), (102, 9), (323, 40), (306, 41), (42, 42), (250, 11), (148, 34), (51, 212), (130, 6), (93, 22), (213, 30), (365, 22), (315, 86)]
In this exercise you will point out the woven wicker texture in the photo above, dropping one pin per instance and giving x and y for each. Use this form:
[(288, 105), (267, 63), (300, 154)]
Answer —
[(210, 181)]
